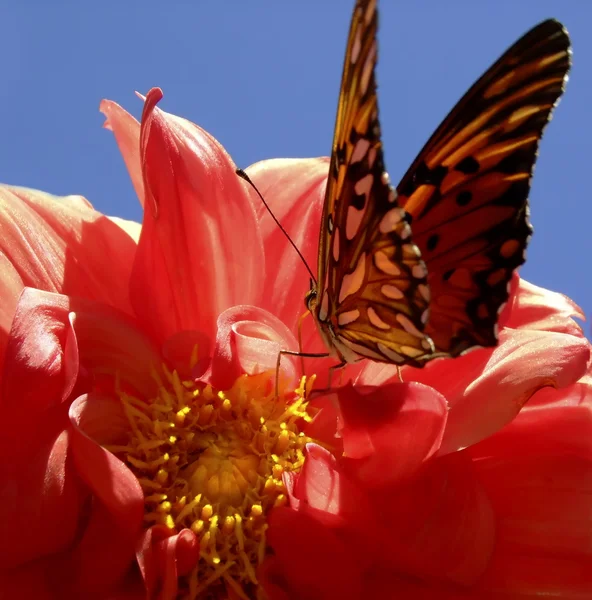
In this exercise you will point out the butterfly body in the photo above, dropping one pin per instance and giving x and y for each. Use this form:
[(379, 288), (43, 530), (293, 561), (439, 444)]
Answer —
[(408, 275)]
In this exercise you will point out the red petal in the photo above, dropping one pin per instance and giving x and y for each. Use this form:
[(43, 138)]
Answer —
[(248, 341), (107, 548), (561, 425), (390, 430), (163, 558), (40, 371), (127, 135), (533, 307), (523, 363), (200, 251), (439, 525), (331, 496), (113, 344), (61, 244), (41, 495), (541, 503), (312, 562), (294, 189)]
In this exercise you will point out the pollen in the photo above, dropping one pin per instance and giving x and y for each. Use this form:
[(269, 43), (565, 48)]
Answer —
[(213, 461)]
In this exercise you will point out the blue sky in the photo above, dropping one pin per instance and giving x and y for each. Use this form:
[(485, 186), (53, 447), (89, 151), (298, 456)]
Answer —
[(263, 77)]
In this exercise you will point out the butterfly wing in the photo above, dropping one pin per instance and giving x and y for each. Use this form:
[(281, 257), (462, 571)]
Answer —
[(371, 296), (467, 190)]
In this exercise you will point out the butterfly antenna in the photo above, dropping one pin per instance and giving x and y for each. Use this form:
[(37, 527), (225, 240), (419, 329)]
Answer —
[(244, 176)]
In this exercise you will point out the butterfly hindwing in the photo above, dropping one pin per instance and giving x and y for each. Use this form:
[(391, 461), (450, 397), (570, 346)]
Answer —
[(467, 191), (372, 295)]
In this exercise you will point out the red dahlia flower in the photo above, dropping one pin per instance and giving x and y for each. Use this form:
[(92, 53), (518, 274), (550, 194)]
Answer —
[(145, 454)]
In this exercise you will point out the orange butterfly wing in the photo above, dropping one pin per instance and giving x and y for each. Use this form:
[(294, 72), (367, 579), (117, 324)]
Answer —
[(371, 297), (467, 191)]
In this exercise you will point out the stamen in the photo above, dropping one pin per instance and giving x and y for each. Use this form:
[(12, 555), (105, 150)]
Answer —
[(213, 461)]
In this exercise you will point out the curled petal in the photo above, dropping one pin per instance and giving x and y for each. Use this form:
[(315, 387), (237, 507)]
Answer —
[(559, 425), (163, 558), (40, 370), (200, 251), (523, 363), (248, 341), (390, 431), (332, 496), (294, 189), (126, 130), (533, 307)]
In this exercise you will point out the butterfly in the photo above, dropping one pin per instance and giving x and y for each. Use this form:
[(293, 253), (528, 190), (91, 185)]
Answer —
[(423, 271)]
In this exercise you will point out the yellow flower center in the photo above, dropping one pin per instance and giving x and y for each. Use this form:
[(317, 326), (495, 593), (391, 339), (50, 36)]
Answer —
[(213, 461)]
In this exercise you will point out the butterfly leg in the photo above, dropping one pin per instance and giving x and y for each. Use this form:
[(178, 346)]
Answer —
[(293, 353)]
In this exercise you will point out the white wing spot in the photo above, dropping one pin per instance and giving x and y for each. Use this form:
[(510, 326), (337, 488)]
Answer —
[(408, 326), (392, 197), (390, 220), (376, 320), (419, 271), (392, 292), (348, 317), (368, 69), (352, 282), (330, 224), (358, 350), (336, 246), (390, 354), (384, 264), (385, 178), (360, 150), (405, 232)]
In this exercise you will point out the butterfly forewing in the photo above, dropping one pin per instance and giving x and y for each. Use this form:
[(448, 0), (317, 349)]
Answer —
[(372, 295), (467, 190)]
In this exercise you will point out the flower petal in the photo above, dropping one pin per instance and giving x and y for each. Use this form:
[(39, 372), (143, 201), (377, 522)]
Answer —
[(39, 373), (42, 495), (164, 558), (127, 135), (313, 562), (248, 341), (294, 189), (117, 511), (544, 525), (523, 363), (561, 425), (332, 496), (61, 244), (200, 251), (440, 525), (390, 431), (533, 307)]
